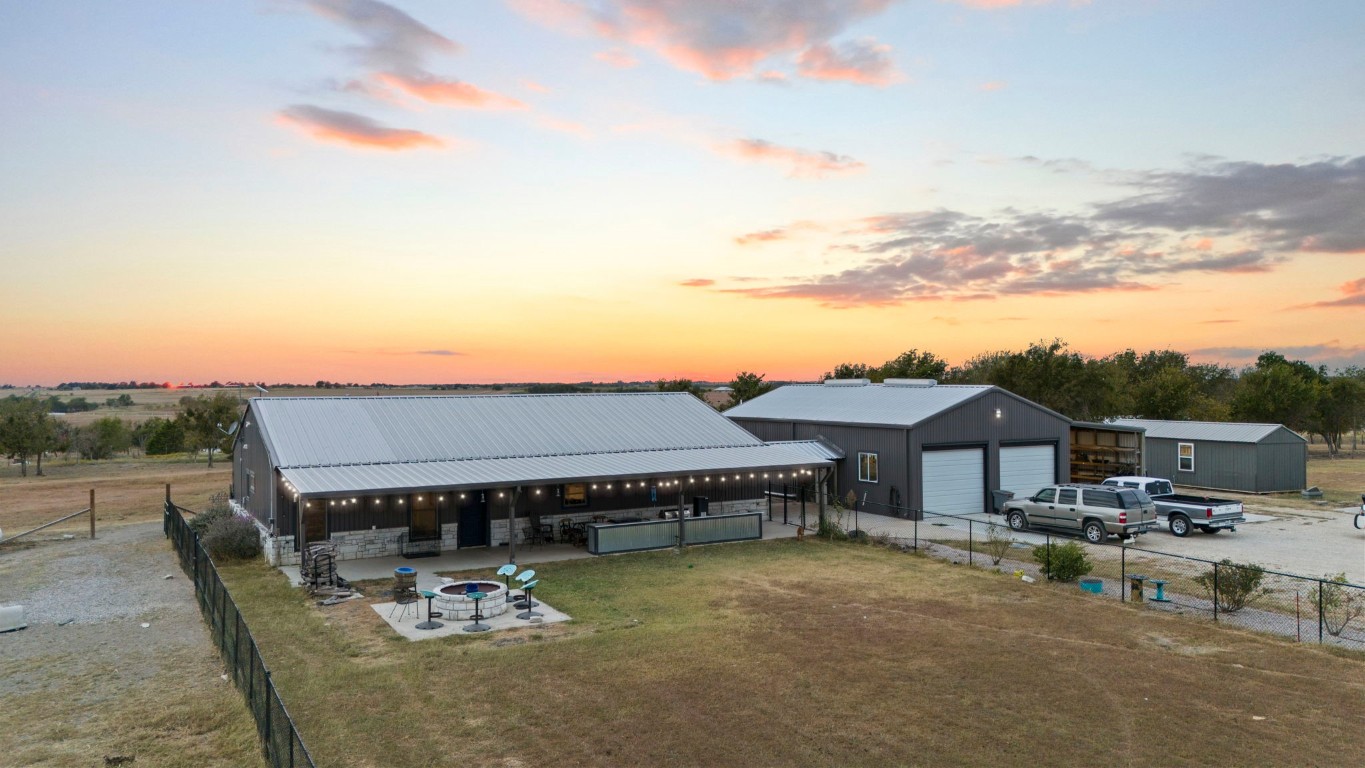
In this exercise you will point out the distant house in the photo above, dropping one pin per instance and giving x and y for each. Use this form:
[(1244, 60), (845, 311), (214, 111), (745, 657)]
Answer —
[(1252, 458), (913, 445), (375, 474)]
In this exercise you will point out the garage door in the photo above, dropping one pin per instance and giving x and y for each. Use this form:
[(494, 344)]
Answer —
[(954, 481), (1026, 468)]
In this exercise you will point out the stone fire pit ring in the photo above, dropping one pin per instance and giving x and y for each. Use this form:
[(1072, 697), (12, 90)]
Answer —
[(454, 603)]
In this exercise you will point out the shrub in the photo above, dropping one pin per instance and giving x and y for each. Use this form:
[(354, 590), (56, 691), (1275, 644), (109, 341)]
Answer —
[(201, 522), (1341, 604), (998, 543), (1064, 562), (232, 538), (1235, 585)]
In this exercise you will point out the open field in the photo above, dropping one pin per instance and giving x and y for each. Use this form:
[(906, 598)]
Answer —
[(787, 653), (126, 490)]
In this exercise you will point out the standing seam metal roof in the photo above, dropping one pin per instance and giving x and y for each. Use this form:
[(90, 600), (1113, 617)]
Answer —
[(872, 404), (1220, 432), (345, 431)]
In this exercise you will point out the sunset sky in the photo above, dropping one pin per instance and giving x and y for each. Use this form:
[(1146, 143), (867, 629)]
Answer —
[(568, 190)]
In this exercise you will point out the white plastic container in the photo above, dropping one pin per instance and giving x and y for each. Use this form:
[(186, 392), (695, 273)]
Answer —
[(12, 618)]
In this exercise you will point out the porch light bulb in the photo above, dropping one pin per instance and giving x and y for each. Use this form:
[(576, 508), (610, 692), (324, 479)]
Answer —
[(537, 491), (609, 486), (751, 475), (355, 501), (499, 494), (997, 413), (706, 479), (765, 474), (400, 501), (419, 498), (377, 502), (462, 495), (594, 486)]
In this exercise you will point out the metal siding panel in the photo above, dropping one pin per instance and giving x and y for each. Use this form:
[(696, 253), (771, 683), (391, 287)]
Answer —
[(1281, 467), (889, 445)]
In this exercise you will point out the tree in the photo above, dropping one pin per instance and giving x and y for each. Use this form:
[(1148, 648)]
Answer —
[(104, 437), (25, 430), (157, 436), (201, 418), (1278, 391), (847, 371), (747, 386), (914, 364), (1338, 409), (679, 385)]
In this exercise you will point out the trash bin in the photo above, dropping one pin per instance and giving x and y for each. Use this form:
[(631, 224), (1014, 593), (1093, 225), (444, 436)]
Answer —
[(998, 499), (701, 505), (1093, 586)]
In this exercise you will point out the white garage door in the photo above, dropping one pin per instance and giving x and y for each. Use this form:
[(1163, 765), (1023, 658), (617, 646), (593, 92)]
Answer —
[(1026, 468), (954, 481)]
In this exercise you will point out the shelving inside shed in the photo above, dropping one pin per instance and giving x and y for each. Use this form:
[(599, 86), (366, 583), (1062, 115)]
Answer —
[(1104, 450)]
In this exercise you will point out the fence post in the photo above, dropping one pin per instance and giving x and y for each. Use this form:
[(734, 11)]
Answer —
[(1123, 572), (1320, 616), (969, 544), (1215, 591), (92, 513), (269, 694), (1047, 542), (917, 517)]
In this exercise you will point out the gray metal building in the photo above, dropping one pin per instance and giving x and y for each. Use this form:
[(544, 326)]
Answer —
[(375, 472), (1251, 458), (917, 446)]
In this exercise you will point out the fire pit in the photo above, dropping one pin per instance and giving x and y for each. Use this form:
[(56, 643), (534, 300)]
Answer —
[(455, 603)]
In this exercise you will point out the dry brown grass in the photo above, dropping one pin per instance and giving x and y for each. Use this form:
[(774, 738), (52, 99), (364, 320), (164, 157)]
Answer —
[(126, 491), (782, 653)]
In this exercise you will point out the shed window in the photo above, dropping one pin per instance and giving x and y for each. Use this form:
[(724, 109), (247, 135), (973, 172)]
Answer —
[(1185, 457), (867, 467), (250, 483)]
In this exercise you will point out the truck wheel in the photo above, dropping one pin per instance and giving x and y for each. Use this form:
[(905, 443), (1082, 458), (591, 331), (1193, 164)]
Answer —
[(1180, 525), (1094, 532), (1016, 520)]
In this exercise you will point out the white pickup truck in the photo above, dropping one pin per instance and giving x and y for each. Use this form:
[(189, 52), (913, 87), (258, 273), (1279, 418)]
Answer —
[(1183, 511)]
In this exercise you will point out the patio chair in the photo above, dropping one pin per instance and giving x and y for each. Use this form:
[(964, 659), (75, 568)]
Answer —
[(405, 593), (505, 572), (566, 530), (523, 601)]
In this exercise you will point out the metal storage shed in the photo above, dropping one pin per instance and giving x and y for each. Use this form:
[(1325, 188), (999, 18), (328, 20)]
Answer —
[(913, 446), (1251, 458)]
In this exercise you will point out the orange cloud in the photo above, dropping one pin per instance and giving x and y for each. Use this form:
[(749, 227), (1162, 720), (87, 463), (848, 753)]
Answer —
[(534, 87), (353, 130), (1353, 295), (697, 282), (765, 236), (616, 57), (865, 62), (440, 90), (992, 85), (801, 162)]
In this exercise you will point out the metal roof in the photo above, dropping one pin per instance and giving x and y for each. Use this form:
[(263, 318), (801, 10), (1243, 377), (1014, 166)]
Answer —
[(339, 431), (871, 404), (1215, 431), (483, 473)]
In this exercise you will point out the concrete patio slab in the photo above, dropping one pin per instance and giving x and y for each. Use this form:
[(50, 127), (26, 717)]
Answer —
[(407, 626)]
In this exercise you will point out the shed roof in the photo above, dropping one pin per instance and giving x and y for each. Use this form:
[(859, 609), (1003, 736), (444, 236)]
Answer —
[(864, 404), (1214, 431), (376, 444)]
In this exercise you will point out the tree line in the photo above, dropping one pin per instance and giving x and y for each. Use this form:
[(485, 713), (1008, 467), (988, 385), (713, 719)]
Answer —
[(28, 430), (1157, 384)]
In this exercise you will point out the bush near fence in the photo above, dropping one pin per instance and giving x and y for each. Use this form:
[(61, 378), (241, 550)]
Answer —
[(280, 740)]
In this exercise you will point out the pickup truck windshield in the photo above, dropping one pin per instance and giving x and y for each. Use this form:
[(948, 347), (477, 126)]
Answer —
[(1159, 488)]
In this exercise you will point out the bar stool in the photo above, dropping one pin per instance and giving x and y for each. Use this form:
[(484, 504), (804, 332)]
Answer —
[(431, 622), (505, 572), (524, 601), (528, 613), (477, 618)]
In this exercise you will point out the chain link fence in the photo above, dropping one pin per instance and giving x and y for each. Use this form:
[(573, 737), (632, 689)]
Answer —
[(1309, 609), (280, 739)]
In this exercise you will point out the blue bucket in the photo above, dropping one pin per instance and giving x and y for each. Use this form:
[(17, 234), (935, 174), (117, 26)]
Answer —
[(1093, 586)]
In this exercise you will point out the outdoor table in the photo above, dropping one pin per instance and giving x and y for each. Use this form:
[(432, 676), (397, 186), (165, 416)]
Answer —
[(477, 618), (1160, 596), (431, 622)]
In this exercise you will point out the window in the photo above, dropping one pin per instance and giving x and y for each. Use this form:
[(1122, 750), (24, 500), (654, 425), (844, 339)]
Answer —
[(575, 495), (1067, 496), (1185, 457), (1097, 498), (1047, 495), (867, 467)]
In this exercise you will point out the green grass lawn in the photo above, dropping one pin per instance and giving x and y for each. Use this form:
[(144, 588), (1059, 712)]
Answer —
[(787, 653)]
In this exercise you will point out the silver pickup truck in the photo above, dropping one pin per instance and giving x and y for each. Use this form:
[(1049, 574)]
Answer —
[(1096, 511), (1182, 511)]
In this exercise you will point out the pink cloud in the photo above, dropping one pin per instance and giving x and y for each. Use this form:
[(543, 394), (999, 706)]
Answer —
[(865, 62), (534, 87), (1353, 295), (992, 85), (800, 162), (440, 90), (697, 282), (353, 130), (720, 39), (616, 57)]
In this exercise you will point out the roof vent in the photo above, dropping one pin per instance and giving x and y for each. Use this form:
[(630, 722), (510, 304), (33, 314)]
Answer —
[(910, 382), (847, 382)]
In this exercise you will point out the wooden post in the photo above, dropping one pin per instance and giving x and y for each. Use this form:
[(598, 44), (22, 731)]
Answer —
[(92, 513), (168, 493)]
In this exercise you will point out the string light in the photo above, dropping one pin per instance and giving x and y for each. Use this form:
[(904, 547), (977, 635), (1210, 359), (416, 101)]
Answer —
[(462, 496)]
